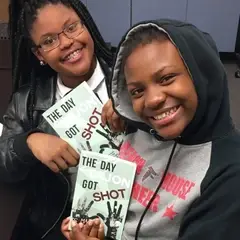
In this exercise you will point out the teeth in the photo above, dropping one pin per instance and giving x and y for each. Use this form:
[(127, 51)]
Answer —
[(72, 55), (166, 114)]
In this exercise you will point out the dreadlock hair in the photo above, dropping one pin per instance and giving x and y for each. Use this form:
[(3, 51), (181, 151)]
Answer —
[(141, 36), (26, 68)]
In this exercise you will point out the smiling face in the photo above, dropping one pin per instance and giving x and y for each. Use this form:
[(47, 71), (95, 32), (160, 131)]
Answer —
[(161, 90), (73, 57)]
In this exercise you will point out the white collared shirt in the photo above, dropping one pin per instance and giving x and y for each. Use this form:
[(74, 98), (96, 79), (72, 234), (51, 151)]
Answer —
[(1, 128), (96, 83)]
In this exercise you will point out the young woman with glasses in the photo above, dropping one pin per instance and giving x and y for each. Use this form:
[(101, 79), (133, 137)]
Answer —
[(56, 46)]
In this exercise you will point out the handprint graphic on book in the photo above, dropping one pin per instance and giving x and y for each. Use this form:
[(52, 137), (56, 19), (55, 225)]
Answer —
[(113, 220), (80, 213)]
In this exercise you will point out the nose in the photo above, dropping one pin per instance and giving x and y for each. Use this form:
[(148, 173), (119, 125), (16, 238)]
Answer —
[(64, 42), (154, 97)]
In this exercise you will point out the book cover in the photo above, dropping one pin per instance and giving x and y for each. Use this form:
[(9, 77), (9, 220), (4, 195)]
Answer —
[(77, 119), (103, 189)]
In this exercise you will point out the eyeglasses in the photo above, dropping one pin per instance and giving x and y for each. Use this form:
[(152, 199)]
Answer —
[(52, 41)]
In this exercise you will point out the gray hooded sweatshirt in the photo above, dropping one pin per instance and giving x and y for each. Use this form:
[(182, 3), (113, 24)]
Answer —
[(193, 180)]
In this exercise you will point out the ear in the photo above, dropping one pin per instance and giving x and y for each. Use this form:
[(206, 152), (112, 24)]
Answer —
[(38, 54)]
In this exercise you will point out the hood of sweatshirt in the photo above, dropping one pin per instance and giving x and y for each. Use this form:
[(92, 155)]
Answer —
[(200, 55)]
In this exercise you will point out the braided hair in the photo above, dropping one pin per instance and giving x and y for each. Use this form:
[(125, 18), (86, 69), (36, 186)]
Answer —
[(26, 68)]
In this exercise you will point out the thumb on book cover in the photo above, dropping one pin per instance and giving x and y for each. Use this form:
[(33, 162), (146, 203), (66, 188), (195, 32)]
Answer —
[(78, 234)]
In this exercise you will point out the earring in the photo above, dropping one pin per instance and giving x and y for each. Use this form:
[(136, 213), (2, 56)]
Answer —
[(42, 63)]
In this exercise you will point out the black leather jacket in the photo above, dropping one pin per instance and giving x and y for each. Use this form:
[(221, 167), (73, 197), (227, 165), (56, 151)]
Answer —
[(48, 193)]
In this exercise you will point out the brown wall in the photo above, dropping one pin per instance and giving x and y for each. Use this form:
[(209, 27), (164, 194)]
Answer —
[(4, 10), (5, 75)]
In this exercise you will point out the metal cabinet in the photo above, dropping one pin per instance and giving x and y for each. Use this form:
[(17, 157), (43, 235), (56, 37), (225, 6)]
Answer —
[(155, 9), (112, 17), (217, 17)]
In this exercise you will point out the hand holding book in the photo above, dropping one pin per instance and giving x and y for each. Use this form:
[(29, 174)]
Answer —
[(104, 182), (92, 230), (109, 117), (52, 151)]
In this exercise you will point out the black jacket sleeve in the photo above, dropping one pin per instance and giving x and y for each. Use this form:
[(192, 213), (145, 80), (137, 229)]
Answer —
[(215, 215), (16, 158)]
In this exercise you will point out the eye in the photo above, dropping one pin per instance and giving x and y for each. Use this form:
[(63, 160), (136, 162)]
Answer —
[(167, 79), (49, 41), (137, 92), (72, 28)]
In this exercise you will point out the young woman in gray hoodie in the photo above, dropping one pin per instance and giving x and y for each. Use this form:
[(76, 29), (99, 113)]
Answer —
[(170, 86)]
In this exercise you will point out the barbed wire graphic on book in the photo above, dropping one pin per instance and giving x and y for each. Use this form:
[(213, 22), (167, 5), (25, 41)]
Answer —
[(112, 221)]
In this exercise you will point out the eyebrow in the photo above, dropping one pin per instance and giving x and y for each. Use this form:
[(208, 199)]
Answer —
[(154, 75), (160, 71), (51, 33), (132, 83)]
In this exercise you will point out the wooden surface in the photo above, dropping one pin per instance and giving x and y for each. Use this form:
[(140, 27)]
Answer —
[(4, 10), (5, 75)]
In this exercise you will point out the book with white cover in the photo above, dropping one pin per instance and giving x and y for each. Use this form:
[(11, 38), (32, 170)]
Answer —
[(103, 189), (77, 119)]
